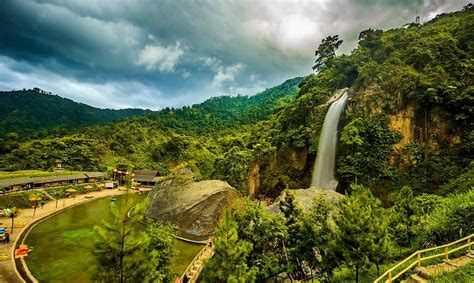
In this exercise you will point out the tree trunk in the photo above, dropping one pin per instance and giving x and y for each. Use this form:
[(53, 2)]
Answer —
[(426, 122), (12, 216), (287, 261), (357, 274), (122, 254), (378, 268)]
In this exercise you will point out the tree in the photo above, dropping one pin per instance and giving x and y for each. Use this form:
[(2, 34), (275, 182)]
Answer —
[(123, 254), (358, 162), (326, 50), (233, 167), (362, 235), (229, 263), (370, 38), (321, 251), (403, 217), (267, 234), (163, 241), (296, 244)]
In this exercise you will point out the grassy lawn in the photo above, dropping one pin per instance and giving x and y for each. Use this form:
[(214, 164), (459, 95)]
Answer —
[(33, 173)]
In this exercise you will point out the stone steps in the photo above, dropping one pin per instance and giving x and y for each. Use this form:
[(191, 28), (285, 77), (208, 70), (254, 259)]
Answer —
[(423, 274)]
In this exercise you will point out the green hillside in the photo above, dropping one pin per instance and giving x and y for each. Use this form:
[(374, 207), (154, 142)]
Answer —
[(159, 140), (34, 113)]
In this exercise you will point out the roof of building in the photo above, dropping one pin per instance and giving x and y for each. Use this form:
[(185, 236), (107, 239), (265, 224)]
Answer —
[(94, 174), (145, 175), (15, 182), (40, 180)]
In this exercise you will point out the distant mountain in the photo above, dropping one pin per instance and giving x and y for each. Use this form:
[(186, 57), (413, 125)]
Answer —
[(36, 113)]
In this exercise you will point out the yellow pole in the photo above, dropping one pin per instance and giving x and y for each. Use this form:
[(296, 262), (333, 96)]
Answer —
[(390, 276), (469, 245), (446, 253), (418, 259)]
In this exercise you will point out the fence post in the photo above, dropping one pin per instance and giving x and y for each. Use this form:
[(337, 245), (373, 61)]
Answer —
[(390, 276), (446, 253), (418, 259), (469, 245)]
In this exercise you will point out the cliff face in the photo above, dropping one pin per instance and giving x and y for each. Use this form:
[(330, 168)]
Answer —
[(289, 168), (254, 178), (417, 123), (403, 122)]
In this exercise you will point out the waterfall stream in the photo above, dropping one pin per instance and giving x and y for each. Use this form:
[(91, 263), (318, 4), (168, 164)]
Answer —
[(325, 165)]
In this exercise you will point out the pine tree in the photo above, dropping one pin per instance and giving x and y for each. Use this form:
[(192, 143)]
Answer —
[(267, 233), (229, 263), (163, 241), (296, 244), (124, 255), (403, 217), (321, 245), (363, 235)]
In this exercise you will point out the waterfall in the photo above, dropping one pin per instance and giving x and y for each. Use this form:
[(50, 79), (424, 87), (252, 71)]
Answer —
[(325, 166)]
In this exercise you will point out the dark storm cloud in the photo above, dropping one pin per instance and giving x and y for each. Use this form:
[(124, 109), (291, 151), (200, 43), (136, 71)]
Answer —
[(168, 53)]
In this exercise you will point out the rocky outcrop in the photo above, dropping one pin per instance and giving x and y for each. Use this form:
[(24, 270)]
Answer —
[(194, 208), (254, 178), (305, 198), (403, 122)]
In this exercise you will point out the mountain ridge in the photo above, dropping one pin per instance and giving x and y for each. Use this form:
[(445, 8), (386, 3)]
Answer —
[(34, 113)]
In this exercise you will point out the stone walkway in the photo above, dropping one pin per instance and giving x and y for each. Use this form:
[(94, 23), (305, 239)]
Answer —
[(7, 273)]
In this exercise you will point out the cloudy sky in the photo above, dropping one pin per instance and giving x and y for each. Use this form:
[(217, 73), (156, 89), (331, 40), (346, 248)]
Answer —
[(154, 54)]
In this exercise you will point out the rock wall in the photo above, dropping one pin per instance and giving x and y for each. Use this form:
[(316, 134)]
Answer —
[(194, 208), (254, 178)]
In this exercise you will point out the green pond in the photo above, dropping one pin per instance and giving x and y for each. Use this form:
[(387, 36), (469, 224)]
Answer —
[(63, 243)]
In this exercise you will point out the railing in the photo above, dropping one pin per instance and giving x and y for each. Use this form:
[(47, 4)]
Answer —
[(194, 269), (419, 255)]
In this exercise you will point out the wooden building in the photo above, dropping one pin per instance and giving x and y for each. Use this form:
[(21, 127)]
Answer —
[(26, 183), (147, 178)]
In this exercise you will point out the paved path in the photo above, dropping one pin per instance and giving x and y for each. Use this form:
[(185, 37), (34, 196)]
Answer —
[(7, 273)]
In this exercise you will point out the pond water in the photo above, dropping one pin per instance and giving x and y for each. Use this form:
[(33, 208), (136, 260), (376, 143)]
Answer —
[(63, 243)]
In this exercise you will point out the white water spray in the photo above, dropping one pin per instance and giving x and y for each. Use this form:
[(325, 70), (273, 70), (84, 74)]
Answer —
[(325, 166)]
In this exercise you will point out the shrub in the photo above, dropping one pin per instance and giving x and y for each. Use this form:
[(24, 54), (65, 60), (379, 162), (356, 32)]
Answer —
[(452, 219)]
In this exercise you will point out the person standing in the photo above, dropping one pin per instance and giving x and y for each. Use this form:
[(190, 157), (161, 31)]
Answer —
[(7, 238)]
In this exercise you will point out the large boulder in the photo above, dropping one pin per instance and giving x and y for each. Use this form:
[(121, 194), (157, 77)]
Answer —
[(305, 198), (194, 208)]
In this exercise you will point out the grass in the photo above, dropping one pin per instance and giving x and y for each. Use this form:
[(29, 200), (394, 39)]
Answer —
[(346, 274), (33, 173), (461, 275)]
